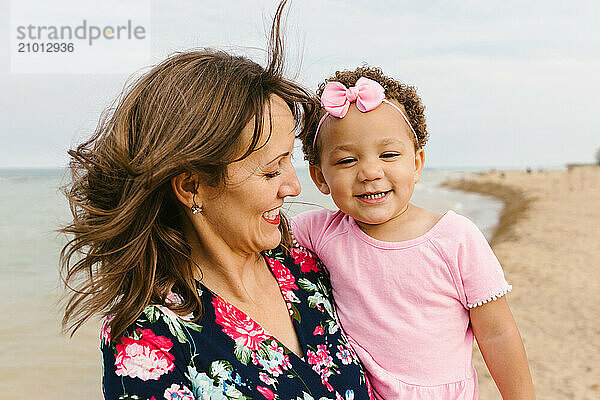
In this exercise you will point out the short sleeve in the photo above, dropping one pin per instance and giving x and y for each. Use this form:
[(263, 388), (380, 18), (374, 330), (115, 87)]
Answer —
[(148, 361), (308, 228), (479, 270)]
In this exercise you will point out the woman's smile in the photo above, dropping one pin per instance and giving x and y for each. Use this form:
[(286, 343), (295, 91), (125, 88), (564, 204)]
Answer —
[(272, 216)]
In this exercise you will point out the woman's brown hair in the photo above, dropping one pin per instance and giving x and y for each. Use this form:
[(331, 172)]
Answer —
[(184, 115), (404, 94)]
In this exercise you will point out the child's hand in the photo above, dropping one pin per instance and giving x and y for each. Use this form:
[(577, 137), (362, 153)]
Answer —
[(502, 349)]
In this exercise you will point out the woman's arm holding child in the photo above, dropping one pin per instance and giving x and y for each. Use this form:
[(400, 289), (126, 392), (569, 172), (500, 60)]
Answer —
[(502, 348)]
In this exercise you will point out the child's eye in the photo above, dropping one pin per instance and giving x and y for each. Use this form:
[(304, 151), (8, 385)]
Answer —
[(389, 155), (347, 160), (271, 175)]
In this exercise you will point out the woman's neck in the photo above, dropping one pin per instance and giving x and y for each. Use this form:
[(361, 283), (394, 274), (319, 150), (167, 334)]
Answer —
[(240, 283), (234, 273)]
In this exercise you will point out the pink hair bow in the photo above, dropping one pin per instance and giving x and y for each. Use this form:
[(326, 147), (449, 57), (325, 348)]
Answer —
[(367, 94), (336, 98)]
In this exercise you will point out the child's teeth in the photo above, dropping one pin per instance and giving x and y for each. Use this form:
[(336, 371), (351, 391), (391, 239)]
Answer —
[(374, 196)]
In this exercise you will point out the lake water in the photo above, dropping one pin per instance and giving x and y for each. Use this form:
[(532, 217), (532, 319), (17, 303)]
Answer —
[(39, 362)]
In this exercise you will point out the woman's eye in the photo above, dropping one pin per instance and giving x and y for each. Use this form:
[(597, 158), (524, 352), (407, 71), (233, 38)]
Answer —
[(271, 175)]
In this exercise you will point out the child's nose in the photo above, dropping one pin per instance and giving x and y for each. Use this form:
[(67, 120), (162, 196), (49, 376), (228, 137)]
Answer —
[(370, 170)]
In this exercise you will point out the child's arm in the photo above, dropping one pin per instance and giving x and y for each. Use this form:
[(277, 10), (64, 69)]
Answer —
[(502, 348)]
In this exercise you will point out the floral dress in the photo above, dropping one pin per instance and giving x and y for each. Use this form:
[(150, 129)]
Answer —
[(226, 355)]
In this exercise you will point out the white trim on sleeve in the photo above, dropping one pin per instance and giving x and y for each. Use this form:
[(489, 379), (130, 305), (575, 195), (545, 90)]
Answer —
[(491, 298)]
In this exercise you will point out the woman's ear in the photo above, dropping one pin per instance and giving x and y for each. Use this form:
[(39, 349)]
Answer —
[(317, 176), (186, 188), (419, 164)]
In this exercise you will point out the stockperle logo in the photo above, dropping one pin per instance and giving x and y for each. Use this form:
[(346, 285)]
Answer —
[(69, 36)]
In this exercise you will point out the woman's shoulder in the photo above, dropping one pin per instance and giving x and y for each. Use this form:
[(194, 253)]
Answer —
[(151, 355), (155, 318), (157, 333)]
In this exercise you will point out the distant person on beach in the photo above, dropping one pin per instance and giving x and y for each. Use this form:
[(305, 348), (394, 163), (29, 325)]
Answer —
[(412, 287), (179, 242)]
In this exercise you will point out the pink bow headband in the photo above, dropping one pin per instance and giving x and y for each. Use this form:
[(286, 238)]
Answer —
[(367, 94)]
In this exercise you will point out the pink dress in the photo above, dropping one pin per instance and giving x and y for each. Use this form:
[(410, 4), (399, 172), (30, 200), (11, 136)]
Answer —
[(405, 305)]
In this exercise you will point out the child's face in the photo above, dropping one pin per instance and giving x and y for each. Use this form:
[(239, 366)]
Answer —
[(368, 163)]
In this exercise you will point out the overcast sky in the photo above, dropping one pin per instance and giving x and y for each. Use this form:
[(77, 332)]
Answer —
[(505, 83)]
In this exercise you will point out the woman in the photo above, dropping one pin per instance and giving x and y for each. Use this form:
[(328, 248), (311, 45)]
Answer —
[(176, 204)]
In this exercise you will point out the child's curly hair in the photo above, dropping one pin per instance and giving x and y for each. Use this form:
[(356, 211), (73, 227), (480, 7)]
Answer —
[(404, 94)]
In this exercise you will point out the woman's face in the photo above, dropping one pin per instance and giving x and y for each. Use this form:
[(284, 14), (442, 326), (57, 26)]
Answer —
[(245, 214)]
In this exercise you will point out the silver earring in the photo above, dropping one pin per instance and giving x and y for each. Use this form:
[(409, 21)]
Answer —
[(196, 209)]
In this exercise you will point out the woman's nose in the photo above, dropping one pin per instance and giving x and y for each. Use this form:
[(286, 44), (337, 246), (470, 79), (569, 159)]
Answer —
[(369, 170), (291, 185)]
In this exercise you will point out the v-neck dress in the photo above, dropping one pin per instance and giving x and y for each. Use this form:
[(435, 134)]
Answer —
[(226, 355)]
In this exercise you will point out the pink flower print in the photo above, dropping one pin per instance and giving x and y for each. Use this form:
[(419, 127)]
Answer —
[(268, 393), (327, 384), (174, 299), (351, 350), (105, 329), (286, 362), (305, 259), (238, 325), (279, 361), (286, 280), (318, 361), (276, 362), (273, 369), (323, 355), (321, 363), (344, 355), (145, 358), (168, 313), (266, 378), (318, 331), (275, 347), (369, 389), (312, 357), (177, 393)]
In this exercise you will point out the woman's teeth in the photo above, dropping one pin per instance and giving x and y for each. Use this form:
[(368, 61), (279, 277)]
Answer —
[(373, 196), (271, 214)]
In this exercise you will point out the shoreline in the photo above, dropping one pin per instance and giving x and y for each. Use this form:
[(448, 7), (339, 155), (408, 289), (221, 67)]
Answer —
[(558, 329), (548, 242), (516, 204)]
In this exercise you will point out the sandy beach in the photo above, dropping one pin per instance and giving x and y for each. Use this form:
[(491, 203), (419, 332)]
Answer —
[(548, 241), (37, 360)]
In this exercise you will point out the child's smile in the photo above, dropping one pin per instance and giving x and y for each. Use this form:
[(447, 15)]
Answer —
[(374, 197), (368, 164)]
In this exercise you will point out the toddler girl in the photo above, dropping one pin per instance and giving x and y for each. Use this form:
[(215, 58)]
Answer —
[(412, 287)]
